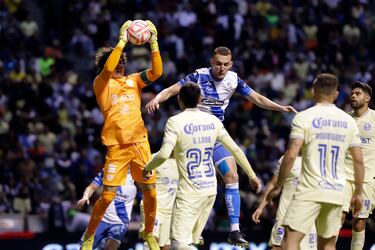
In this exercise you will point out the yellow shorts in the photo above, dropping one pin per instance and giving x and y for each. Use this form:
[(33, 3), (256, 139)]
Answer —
[(302, 215), (190, 215), (162, 227), (120, 157), (309, 242)]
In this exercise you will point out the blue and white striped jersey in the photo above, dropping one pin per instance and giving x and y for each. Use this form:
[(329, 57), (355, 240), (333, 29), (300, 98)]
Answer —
[(216, 94), (120, 209)]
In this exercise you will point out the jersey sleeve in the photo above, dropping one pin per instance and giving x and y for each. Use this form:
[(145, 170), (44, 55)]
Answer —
[(193, 77), (141, 81), (242, 88), (355, 140), (297, 130), (276, 171), (222, 132), (170, 132), (98, 180)]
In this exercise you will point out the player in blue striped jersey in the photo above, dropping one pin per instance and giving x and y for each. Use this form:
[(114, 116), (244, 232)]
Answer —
[(218, 83), (115, 222)]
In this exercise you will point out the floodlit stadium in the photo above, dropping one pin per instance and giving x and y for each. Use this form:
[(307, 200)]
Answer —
[(94, 114)]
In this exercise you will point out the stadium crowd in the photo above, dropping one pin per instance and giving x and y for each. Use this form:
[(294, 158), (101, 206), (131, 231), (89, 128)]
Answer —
[(50, 123)]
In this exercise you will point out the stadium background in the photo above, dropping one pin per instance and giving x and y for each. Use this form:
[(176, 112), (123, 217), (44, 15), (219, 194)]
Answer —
[(50, 124)]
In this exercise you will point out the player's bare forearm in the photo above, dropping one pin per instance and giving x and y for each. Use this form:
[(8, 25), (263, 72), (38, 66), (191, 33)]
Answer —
[(164, 95), (168, 93), (265, 103), (270, 185), (358, 168), (90, 189)]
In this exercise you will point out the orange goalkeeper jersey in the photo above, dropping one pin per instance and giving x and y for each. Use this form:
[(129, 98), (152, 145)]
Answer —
[(120, 101)]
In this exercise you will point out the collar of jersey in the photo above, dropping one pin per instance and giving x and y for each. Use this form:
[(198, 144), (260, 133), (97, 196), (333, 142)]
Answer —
[(325, 104), (191, 109)]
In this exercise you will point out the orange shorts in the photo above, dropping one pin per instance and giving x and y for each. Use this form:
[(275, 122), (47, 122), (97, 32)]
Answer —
[(120, 157)]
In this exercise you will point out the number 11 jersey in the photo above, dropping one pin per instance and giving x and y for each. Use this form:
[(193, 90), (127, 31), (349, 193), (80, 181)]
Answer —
[(327, 132)]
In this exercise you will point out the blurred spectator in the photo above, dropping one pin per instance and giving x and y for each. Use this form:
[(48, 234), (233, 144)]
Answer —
[(29, 27)]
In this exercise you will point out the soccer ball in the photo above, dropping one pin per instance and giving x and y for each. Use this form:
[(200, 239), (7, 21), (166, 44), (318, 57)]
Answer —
[(138, 32)]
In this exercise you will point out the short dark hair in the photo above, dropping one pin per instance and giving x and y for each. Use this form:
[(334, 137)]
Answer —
[(190, 94), (224, 51), (325, 84), (102, 56), (364, 86)]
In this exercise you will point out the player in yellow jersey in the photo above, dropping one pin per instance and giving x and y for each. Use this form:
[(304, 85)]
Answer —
[(324, 133), (166, 191), (124, 133), (278, 231), (192, 135), (365, 119)]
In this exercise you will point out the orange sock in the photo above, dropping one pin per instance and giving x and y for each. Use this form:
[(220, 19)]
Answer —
[(99, 209), (149, 204)]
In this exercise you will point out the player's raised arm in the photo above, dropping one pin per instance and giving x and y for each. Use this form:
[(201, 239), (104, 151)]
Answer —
[(241, 160), (114, 58), (266, 103), (164, 95), (157, 66), (263, 201)]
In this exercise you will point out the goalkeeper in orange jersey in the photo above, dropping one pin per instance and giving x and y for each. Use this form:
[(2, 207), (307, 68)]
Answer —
[(124, 133)]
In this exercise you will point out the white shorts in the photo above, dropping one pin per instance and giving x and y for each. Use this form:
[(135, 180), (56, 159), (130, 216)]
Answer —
[(302, 215), (368, 198), (189, 218), (309, 242), (162, 226), (162, 229)]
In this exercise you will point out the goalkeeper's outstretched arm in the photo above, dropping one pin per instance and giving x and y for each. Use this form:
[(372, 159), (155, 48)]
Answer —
[(157, 65)]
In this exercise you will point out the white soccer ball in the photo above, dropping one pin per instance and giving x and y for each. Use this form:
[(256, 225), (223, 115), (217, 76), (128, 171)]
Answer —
[(138, 32)]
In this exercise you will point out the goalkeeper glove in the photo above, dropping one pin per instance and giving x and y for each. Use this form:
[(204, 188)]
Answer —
[(123, 37), (154, 37)]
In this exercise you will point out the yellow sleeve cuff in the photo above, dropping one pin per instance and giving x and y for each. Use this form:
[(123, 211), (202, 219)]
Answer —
[(154, 46), (121, 44)]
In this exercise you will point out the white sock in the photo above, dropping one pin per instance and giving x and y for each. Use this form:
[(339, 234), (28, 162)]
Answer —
[(232, 185), (358, 240), (234, 227)]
